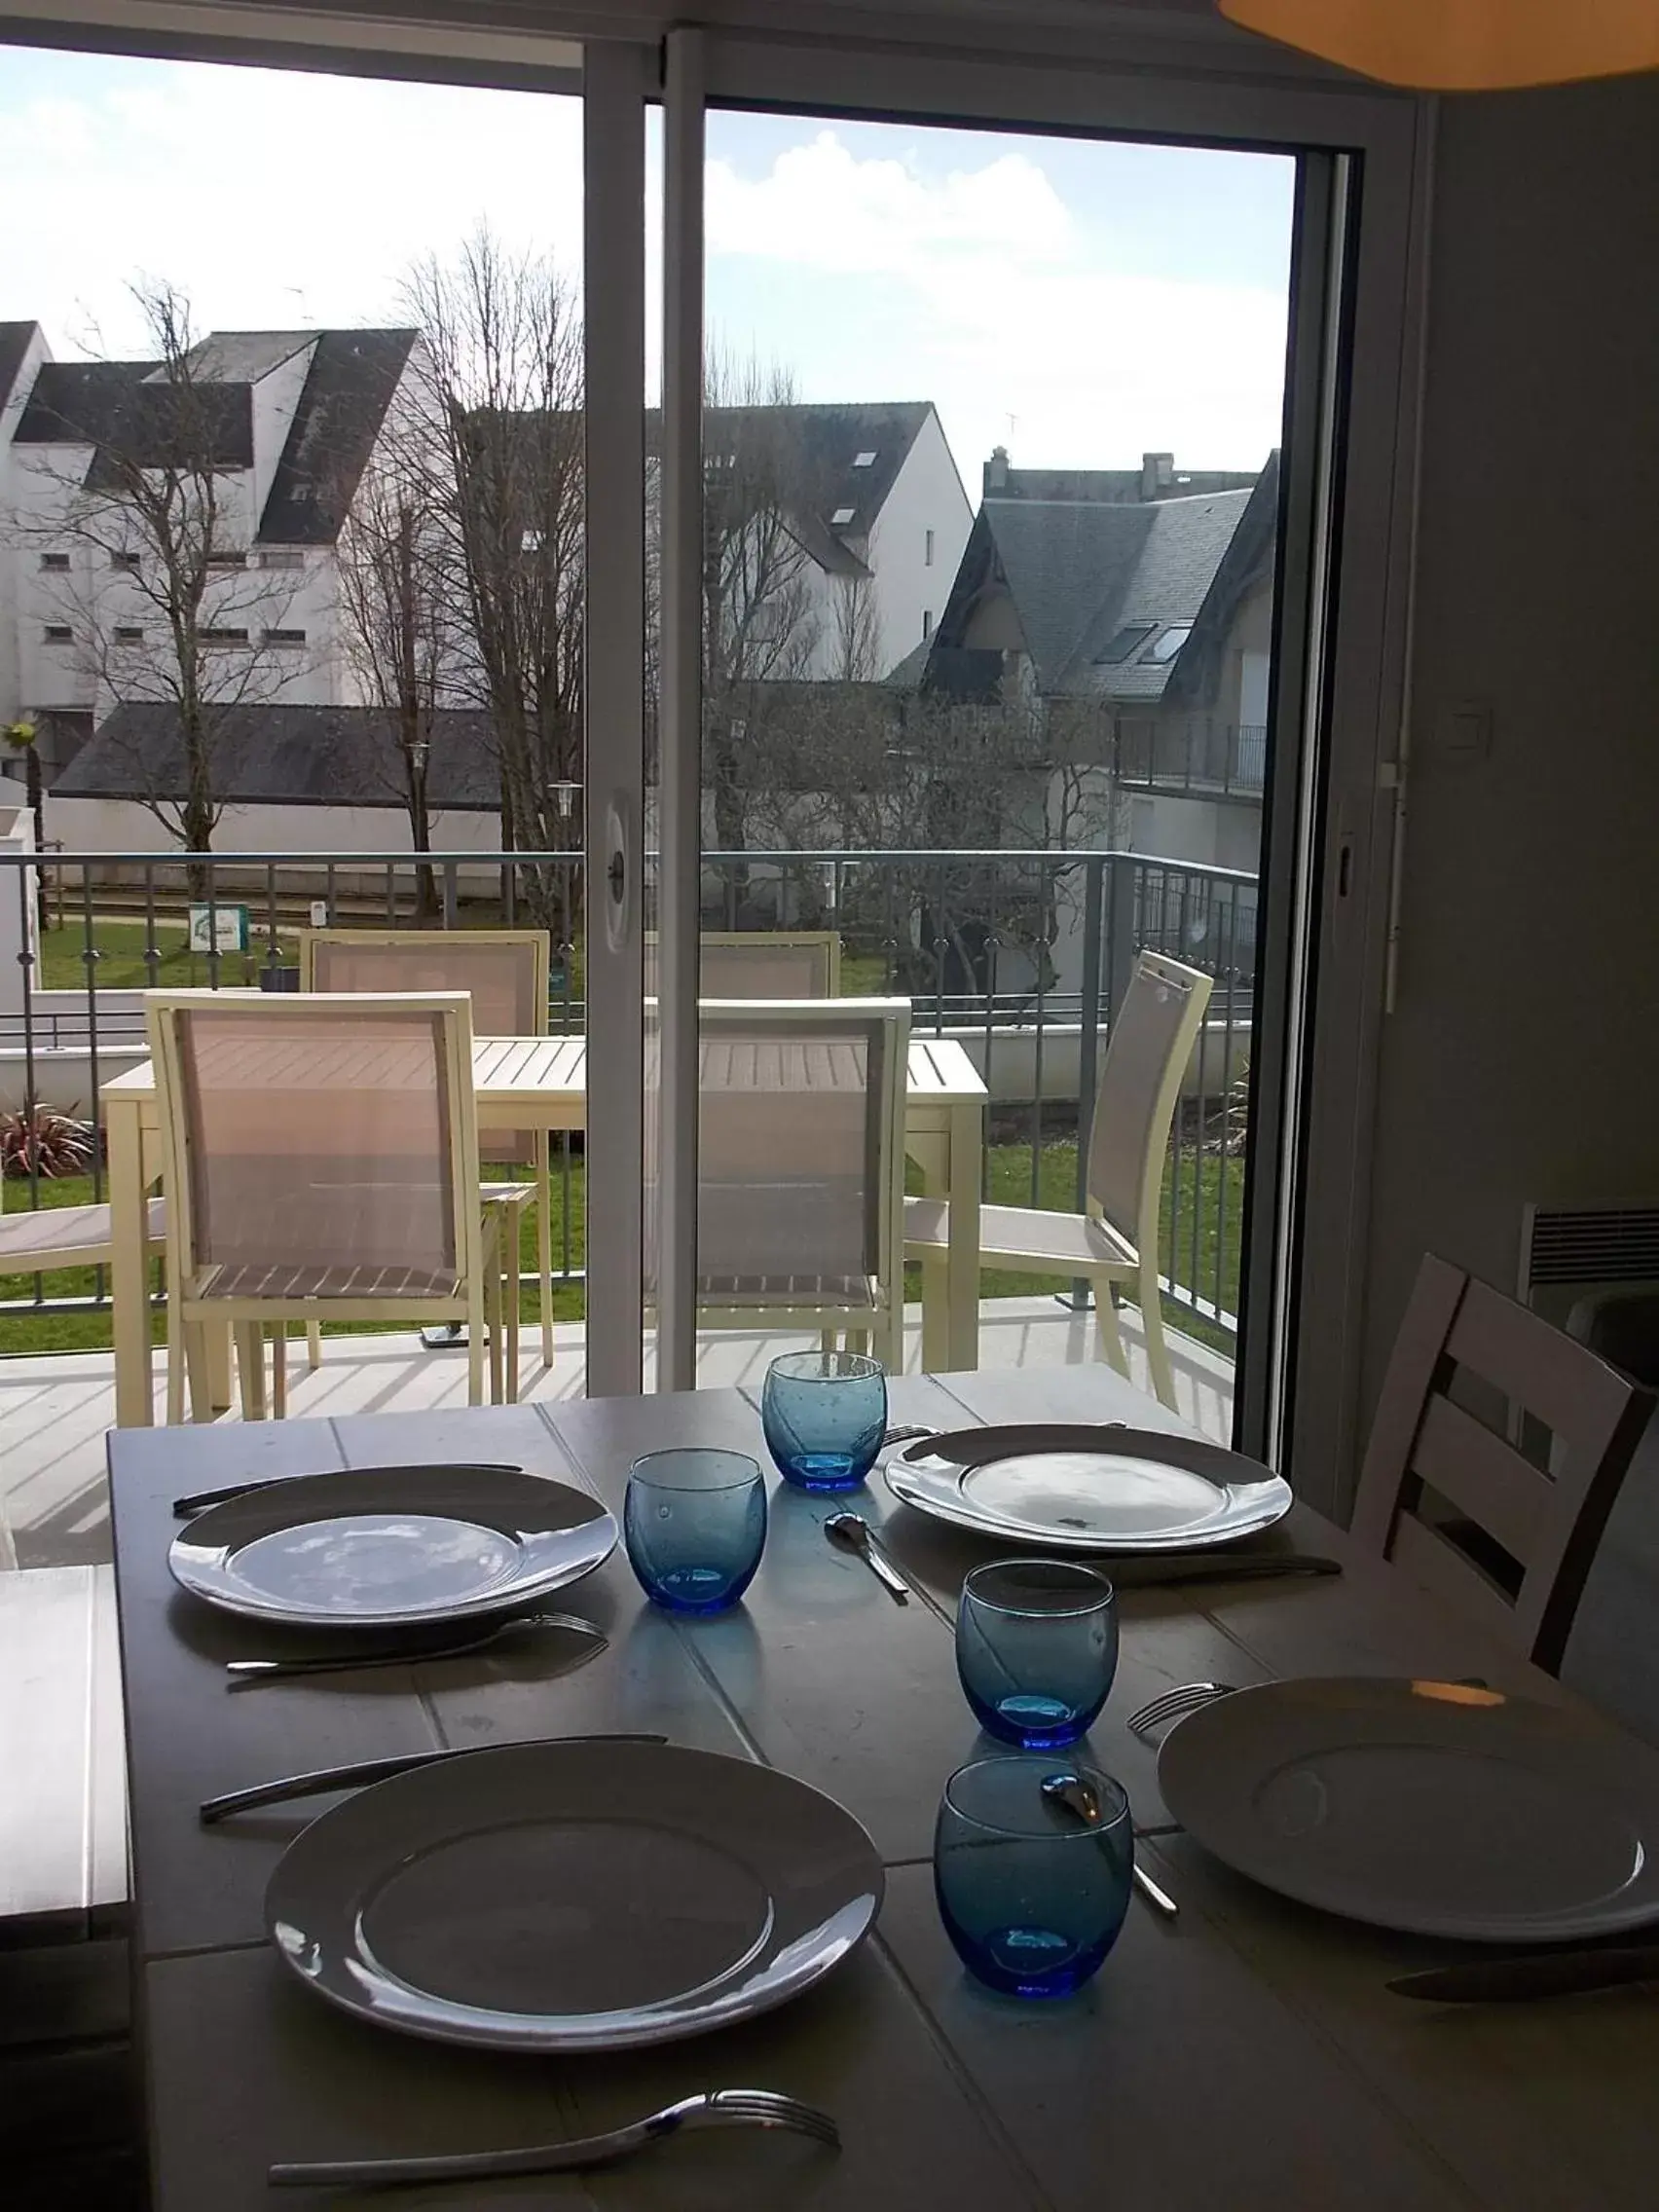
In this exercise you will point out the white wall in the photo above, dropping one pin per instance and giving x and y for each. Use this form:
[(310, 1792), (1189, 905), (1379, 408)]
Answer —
[(927, 495), (1520, 1061), (117, 826)]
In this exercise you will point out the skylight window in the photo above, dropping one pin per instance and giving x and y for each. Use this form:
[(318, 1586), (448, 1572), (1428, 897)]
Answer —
[(865, 460), (842, 516), (1168, 645), (1118, 647)]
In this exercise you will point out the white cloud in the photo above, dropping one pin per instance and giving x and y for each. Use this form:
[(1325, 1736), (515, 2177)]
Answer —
[(270, 197), (818, 206)]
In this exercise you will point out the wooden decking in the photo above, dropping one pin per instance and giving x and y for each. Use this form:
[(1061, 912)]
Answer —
[(54, 1409)]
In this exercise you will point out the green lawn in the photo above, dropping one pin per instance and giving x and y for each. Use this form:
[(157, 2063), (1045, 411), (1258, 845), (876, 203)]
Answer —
[(1011, 1172)]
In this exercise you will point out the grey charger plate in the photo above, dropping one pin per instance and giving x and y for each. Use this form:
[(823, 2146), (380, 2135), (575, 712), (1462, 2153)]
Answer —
[(1438, 1808), (574, 1896), (1089, 1487), (391, 1547)]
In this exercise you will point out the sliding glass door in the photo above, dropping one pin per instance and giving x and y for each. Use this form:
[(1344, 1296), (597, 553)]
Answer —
[(933, 719)]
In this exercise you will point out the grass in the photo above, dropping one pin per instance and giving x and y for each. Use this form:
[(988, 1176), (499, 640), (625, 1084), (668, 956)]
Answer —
[(1009, 1185)]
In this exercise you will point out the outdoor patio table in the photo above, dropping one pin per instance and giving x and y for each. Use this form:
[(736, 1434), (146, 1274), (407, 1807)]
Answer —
[(1244, 2059), (526, 1083)]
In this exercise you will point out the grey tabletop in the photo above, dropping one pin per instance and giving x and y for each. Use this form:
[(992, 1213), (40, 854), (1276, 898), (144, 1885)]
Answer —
[(1245, 2055)]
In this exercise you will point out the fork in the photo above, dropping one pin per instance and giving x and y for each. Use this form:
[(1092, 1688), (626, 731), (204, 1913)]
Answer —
[(714, 2108), (247, 1674), (1175, 1704)]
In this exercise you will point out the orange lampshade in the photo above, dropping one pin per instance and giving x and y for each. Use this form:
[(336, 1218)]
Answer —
[(1464, 46)]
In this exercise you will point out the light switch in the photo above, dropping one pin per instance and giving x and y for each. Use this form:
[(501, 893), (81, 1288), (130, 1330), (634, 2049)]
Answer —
[(1466, 730)]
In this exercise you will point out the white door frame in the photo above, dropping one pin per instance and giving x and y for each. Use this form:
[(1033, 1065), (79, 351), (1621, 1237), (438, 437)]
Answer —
[(613, 239)]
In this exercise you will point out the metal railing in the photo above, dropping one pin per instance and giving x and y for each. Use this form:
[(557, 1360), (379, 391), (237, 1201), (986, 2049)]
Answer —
[(1195, 757), (1024, 955)]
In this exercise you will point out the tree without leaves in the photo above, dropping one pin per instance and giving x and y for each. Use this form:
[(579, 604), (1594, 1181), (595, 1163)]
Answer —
[(401, 616), (761, 627), (162, 609), (503, 352)]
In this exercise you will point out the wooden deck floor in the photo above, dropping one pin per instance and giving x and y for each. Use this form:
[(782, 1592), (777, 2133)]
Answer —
[(54, 1409)]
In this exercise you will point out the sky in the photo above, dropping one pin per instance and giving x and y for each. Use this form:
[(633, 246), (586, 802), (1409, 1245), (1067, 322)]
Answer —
[(1078, 301)]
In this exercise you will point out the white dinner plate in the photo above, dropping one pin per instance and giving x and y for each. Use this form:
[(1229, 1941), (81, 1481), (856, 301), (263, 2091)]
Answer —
[(1089, 1488), (574, 1896), (392, 1547), (1436, 1808)]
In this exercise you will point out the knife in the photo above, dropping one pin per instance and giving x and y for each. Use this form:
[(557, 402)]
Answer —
[(1145, 1574), (363, 1771), (1535, 1974), (201, 1500)]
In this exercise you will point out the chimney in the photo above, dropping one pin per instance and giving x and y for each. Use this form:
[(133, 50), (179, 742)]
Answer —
[(995, 478), (1158, 475)]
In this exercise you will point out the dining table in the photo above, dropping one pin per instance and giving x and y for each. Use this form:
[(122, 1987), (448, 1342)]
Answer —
[(1243, 2056), (540, 1083)]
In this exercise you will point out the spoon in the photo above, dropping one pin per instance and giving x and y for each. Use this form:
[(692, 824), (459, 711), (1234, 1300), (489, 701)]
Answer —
[(849, 1532), (1080, 1797)]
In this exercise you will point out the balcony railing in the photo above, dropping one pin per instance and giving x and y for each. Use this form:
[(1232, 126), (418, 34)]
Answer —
[(1022, 955), (1195, 758)]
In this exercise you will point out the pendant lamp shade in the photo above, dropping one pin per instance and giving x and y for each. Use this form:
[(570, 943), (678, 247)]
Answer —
[(1464, 46)]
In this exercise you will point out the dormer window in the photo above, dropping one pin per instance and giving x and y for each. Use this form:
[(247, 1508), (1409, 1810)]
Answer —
[(1126, 641)]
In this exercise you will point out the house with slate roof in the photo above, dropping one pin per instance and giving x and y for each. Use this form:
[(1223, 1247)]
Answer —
[(293, 419), (1133, 607)]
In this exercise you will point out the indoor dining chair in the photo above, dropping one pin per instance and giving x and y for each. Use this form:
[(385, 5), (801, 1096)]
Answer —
[(505, 972), (1116, 1240), (321, 1161), (760, 964), (800, 1168), (1452, 1500)]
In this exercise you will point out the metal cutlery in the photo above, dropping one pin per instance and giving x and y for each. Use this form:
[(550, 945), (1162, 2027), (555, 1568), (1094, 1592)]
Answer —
[(714, 2108), (249, 1674), (1078, 1796), (849, 1532), (1536, 1973), (362, 1772), (1151, 1573), (1174, 1705), (201, 1500), (907, 1432)]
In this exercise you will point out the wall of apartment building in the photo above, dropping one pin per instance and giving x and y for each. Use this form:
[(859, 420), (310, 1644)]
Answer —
[(124, 826), (1520, 1061), (927, 496)]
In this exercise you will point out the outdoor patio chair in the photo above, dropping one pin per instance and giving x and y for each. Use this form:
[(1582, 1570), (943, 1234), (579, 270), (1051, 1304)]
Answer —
[(505, 972), (1452, 1500), (800, 1168), (321, 1160), (41, 1240), (760, 964), (1116, 1240)]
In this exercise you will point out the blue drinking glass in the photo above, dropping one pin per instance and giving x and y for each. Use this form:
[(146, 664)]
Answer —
[(825, 1413), (695, 1522), (1036, 1648), (1032, 1896)]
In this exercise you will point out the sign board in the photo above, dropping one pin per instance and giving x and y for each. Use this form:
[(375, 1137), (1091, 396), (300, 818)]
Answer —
[(229, 926)]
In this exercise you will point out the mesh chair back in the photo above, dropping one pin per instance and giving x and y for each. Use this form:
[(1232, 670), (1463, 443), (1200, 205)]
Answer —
[(501, 971), (760, 965), (797, 1136), (1146, 1056), (318, 1145)]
